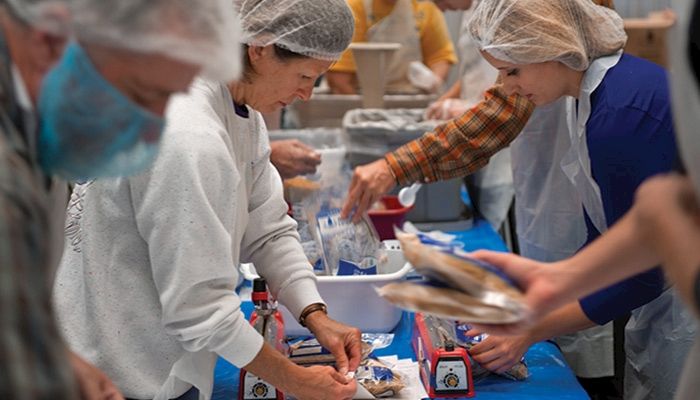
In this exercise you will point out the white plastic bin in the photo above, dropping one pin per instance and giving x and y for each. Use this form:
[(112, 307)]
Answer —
[(325, 109), (353, 300), (370, 133)]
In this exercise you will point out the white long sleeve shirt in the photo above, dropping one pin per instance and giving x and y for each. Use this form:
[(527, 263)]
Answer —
[(149, 271)]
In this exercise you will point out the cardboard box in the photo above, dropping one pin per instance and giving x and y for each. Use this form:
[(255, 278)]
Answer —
[(647, 37)]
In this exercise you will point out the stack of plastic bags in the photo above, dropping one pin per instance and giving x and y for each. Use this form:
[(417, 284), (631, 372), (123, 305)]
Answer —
[(455, 286)]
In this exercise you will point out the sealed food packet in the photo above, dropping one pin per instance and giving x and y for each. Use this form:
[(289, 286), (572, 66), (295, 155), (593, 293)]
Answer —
[(455, 285), (379, 379), (308, 351)]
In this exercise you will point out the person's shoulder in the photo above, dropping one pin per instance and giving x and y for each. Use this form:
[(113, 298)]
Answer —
[(428, 7), (196, 122), (204, 101), (641, 67), (636, 83), (357, 7)]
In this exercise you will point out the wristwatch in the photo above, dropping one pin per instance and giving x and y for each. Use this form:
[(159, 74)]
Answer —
[(311, 308)]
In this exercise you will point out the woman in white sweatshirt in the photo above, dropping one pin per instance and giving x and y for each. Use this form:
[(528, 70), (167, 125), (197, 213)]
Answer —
[(146, 288)]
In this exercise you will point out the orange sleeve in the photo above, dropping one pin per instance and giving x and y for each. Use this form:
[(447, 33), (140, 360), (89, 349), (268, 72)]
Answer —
[(346, 62), (463, 145), (436, 44)]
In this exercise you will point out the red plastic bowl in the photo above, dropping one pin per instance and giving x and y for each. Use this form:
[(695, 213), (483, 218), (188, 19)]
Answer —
[(394, 214)]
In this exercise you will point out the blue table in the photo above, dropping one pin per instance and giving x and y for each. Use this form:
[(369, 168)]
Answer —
[(550, 378)]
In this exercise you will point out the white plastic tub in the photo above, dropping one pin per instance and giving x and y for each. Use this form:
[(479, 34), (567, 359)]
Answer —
[(353, 300)]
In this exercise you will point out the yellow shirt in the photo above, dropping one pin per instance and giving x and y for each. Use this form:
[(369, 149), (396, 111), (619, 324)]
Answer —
[(435, 41)]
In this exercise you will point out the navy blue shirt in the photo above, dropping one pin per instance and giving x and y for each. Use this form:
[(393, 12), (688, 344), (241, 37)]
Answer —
[(630, 138)]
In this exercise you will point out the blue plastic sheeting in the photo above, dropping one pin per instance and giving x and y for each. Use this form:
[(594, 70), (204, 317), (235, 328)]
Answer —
[(550, 377), (480, 236)]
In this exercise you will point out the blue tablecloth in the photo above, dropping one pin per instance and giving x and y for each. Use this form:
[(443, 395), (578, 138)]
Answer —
[(550, 377)]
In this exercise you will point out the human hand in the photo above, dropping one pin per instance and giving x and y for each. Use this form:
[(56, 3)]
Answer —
[(369, 183), (544, 285), (321, 383), (93, 383), (446, 109), (499, 353), (343, 341), (293, 158)]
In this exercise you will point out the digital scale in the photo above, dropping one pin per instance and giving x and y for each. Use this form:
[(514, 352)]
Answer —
[(445, 369)]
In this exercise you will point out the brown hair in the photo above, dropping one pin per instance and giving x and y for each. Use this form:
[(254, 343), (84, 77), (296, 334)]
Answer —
[(605, 3), (281, 53)]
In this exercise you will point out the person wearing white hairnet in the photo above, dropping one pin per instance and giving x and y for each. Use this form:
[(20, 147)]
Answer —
[(490, 188), (171, 238), (663, 227), (84, 84), (602, 125)]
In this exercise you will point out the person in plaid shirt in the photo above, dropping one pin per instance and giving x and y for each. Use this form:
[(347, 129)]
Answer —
[(453, 150)]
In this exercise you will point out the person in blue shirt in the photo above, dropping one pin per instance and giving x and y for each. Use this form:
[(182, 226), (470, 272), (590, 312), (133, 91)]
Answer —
[(602, 126)]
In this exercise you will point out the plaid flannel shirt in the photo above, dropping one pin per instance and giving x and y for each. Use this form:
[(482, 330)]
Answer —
[(465, 144)]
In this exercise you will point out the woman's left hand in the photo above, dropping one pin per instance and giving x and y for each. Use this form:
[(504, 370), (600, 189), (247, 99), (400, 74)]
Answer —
[(499, 353), (293, 158), (343, 341)]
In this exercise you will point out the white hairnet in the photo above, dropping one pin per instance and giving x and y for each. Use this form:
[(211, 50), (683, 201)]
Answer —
[(199, 32), (319, 29), (573, 32), (49, 15)]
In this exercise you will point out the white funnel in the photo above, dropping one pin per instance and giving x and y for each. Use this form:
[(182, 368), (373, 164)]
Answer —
[(372, 60)]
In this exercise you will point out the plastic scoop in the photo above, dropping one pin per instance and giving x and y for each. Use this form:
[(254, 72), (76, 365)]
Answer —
[(407, 195)]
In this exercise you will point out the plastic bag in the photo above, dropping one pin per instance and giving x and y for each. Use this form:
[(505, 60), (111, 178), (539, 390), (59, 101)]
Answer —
[(296, 190), (455, 286), (379, 380), (308, 351), (423, 77), (347, 248)]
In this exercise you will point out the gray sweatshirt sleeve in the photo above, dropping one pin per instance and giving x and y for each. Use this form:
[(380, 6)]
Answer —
[(183, 210), (271, 241)]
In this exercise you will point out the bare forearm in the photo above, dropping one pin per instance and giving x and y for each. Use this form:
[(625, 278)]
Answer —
[(440, 69), (679, 246), (453, 92), (567, 319), (619, 253), (273, 367), (341, 82)]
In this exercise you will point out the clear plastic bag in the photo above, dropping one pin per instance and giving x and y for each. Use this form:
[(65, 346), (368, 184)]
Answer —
[(347, 248), (423, 77), (379, 379), (308, 351)]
